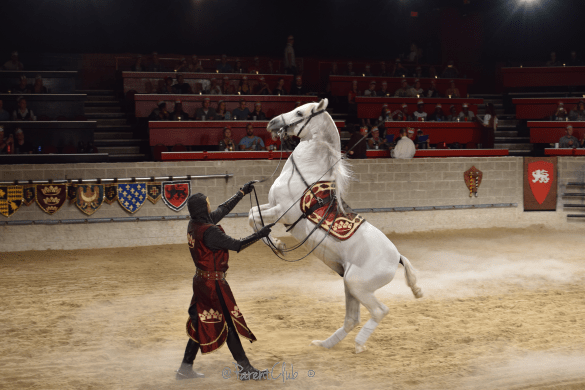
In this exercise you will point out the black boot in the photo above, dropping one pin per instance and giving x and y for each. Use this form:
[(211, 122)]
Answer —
[(186, 369), (247, 371)]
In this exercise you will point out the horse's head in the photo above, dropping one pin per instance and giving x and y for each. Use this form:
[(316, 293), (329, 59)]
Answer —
[(294, 122)]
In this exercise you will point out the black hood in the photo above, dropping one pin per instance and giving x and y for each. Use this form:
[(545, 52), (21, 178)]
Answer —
[(197, 205)]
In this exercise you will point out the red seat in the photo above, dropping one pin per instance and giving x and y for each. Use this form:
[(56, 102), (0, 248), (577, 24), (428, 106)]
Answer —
[(179, 148), (49, 149), (471, 145), (157, 152)]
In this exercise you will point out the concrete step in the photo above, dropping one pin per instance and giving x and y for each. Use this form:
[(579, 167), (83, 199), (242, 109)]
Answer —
[(108, 135), (102, 103), (507, 122), (103, 123), (119, 142), (102, 110), (106, 115), (131, 157), (114, 127), (512, 139), (117, 150), (510, 146), (99, 98), (94, 92), (506, 133)]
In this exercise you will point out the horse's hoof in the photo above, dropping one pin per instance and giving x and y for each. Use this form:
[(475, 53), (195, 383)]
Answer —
[(360, 348), (280, 246), (317, 343)]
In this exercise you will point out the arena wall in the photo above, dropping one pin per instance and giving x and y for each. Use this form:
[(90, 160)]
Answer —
[(379, 184)]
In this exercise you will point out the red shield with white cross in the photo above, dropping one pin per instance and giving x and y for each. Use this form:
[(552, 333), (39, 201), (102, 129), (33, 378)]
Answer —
[(540, 178)]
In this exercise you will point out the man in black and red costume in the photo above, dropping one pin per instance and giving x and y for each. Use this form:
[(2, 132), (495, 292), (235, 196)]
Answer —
[(214, 316)]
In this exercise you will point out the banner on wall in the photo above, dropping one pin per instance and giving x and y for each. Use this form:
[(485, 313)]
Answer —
[(131, 196), (28, 196), (110, 193), (51, 197), (10, 199), (89, 198), (176, 193), (540, 183)]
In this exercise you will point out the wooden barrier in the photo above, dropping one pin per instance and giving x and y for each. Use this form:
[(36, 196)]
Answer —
[(56, 82), (136, 81), (542, 108), (371, 107), (55, 133), (550, 132), (555, 76), (449, 132), (171, 133), (341, 85), (271, 105), (51, 105), (564, 152)]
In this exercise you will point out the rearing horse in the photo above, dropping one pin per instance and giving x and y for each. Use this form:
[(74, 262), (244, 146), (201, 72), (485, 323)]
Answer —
[(367, 260)]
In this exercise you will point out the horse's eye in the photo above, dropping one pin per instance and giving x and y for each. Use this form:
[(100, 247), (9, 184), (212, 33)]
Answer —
[(299, 113)]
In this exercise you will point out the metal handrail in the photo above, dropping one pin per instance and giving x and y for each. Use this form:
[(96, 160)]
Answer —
[(117, 180)]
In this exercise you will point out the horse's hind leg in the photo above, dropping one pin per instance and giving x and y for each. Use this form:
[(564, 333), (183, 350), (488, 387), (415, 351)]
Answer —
[(377, 311), (352, 319)]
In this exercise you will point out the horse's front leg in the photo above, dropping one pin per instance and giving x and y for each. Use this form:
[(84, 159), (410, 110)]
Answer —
[(269, 215)]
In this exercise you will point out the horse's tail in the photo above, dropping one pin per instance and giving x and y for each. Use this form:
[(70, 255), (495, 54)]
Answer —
[(410, 277)]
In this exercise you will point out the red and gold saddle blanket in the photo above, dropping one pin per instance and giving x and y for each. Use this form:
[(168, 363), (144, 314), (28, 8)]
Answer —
[(345, 224)]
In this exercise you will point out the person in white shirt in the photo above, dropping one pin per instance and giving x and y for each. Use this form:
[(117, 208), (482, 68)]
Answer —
[(13, 63), (372, 90), (466, 115), (420, 114), (404, 147), (416, 90), (490, 119)]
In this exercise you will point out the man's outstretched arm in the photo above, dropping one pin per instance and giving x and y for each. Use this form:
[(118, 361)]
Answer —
[(229, 204)]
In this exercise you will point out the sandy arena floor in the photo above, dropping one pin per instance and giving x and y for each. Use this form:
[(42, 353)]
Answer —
[(503, 309)]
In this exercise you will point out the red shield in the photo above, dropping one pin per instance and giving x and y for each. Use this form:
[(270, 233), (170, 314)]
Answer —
[(176, 193), (540, 178)]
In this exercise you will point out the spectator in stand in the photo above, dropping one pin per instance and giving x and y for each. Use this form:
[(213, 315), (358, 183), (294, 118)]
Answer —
[(465, 115), (383, 71), (375, 142), (222, 114), (181, 87), (251, 141), (420, 114), (179, 114), (438, 115), (3, 144), (569, 140), (416, 91), (578, 114), (22, 113), (432, 92), (275, 144), (399, 70), (224, 66), (404, 91), (433, 72), (215, 89), (553, 60), (195, 64), (452, 91), (384, 92), (357, 143), (418, 73), (299, 88), (138, 66), (351, 104), (38, 86), (414, 55), (21, 146), (350, 71), (271, 68), (490, 119), (262, 87), (4, 115), (205, 111), (453, 115), (155, 65), (368, 71), (257, 114), (402, 115), (242, 112), (450, 71), (160, 113), (22, 86), (405, 147), (279, 90), (161, 86), (183, 66), (561, 114), (333, 71), (574, 61), (227, 144), (371, 91), (385, 114), (422, 141), (227, 88), (239, 68), (290, 63), (255, 68), (13, 63), (244, 87), (169, 85)]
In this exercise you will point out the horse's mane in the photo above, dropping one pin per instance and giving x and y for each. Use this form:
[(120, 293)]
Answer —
[(327, 138)]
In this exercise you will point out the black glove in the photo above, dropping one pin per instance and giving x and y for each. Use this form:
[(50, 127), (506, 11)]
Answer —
[(265, 231), (248, 187)]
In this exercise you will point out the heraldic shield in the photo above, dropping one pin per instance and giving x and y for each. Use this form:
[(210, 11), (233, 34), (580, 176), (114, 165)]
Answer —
[(176, 193), (110, 193), (51, 197), (28, 195), (153, 192), (10, 199), (131, 196), (540, 178), (472, 178), (72, 192), (89, 198)]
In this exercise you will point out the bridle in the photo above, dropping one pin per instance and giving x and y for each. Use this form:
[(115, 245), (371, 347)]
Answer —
[(313, 114)]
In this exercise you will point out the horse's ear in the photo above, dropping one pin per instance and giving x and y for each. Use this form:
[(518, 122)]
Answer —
[(322, 104)]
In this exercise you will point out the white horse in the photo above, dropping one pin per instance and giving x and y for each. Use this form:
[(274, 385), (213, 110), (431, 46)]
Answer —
[(368, 260)]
